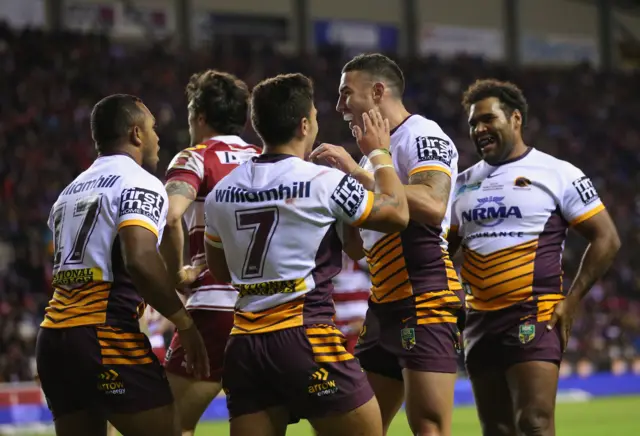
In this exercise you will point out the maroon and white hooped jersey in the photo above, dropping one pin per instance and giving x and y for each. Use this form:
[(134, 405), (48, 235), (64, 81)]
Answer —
[(351, 293), (203, 166)]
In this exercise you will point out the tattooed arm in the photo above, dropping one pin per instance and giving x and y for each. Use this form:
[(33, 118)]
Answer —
[(181, 195), (428, 196)]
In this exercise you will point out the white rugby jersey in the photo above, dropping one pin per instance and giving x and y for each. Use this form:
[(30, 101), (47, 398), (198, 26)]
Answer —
[(91, 284), (275, 216), (513, 219), (202, 167), (351, 293), (415, 261)]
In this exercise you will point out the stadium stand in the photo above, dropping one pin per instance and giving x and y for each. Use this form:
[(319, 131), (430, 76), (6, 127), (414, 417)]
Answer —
[(48, 84)]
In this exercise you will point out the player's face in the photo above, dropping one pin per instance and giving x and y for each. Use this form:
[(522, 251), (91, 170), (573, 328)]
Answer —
[(150, 141), (311, 130), (196, 121), (356, 96), (492, 132)]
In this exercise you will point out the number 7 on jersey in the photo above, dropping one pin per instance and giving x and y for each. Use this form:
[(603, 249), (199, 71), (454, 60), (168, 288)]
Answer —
[(262, 222)]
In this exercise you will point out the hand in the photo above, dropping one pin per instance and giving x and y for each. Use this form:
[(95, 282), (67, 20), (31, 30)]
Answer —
[(189, 274), (195, 352), (376, 132), (563, 315), (335, 156)]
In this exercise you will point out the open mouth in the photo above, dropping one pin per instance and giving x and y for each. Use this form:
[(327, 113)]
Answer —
[(348, 118), (486, 142)]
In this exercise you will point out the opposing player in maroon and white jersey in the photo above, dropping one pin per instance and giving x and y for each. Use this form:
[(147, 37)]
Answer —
[(218, 106), (351, 298)]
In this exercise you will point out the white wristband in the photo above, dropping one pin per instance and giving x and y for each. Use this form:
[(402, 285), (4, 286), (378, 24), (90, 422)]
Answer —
[(378, 152), (378, 167)]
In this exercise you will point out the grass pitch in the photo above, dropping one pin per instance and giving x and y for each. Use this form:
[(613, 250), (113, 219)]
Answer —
[(617, 416)]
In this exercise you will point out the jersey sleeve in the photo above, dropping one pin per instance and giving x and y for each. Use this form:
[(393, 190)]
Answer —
[(143, 203), (427, 148), (349, 201), (211, 235), (579, 200), (187, 166)]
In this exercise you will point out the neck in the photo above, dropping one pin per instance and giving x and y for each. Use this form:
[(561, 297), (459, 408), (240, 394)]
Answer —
[(293, 148), (395, 112), (206, 134), (124, 150), (518, 150)]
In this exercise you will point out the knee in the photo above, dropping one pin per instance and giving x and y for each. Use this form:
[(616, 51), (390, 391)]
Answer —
[(426, 427), (535, 421)]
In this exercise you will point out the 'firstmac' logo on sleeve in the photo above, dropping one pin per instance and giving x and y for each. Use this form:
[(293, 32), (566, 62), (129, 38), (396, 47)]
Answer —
[(349, 194), (586, 190), (141, 201), (432, 148)]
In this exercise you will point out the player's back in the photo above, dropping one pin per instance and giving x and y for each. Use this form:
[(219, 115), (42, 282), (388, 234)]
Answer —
[(203, 166), (91, 284), (275, 215)]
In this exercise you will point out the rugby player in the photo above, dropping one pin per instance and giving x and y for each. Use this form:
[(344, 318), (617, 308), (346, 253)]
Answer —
[(271, 228), (218, 109), (93, 361), (350, 296), (511, 213), (410, 340)]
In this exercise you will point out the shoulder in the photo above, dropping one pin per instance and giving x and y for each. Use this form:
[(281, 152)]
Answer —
[(140, 178), (554, 168)]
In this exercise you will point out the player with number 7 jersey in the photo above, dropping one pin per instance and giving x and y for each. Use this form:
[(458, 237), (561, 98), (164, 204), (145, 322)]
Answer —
[(271, 230)]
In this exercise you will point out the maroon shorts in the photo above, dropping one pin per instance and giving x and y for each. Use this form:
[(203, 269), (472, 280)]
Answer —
[(305, 369), (392, 340), (109, 369), (214, 326), (502, 338)]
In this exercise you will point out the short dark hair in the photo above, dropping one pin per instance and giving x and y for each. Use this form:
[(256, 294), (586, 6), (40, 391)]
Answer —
[(379, 66), (509, 95), (278, 104), (222, 98), (112, 117)]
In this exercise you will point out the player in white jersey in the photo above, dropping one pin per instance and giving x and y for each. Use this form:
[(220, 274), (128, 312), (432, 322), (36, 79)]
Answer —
[(218, 111), (511, 214), (93, 361), (271, 228), (409, 344)]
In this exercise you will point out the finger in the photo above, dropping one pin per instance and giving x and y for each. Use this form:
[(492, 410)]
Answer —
[(387, 127), (379, 120), (366, 120), (565, 338), (317, 151), (552, 322), (357, 131)]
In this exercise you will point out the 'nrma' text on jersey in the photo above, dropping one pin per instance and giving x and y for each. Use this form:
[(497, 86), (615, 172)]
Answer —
[(282, 192), (101, 182), (491, 212)]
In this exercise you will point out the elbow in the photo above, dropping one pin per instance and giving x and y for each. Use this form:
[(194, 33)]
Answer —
[(615, 243), (431, 214)]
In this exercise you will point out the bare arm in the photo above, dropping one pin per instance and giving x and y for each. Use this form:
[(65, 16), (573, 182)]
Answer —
[(352, 242), (217, 263), (604, 243), (181, 195), (390, 212), (428, 196), (149, 274)]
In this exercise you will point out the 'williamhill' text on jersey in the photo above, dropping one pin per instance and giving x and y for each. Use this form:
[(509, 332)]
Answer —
[(91, 285), (282, 192), (202, 167), (275, 217), (513, 221), (415, 262)]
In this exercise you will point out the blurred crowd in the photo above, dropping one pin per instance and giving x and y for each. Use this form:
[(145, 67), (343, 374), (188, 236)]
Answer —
[(49, 83)]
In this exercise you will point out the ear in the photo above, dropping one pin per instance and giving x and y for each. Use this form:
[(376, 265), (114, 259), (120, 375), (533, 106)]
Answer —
[(135, 136), (201, 119), (378, 90), (305, 127), (516, 119)]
